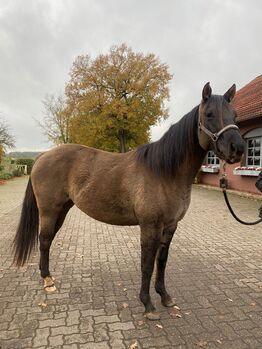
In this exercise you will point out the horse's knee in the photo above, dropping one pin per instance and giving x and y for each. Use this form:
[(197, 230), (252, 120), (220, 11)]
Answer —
[(144, 298), (45, 242)]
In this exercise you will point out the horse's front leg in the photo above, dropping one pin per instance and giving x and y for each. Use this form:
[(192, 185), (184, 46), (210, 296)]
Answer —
[(162, 255), (149, 244)]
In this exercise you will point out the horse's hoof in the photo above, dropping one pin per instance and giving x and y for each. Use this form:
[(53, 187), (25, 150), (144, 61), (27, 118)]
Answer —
[(50, 289), (49, 285), (152, 316), (168, 303)]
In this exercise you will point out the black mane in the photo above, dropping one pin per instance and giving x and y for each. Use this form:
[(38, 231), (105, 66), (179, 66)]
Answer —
[(165, 155)]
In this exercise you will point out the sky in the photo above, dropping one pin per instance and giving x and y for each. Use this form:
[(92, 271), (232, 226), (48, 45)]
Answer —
[(200, 40)]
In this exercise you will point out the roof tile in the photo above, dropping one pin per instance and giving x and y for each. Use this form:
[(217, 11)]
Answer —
[(248, 100)]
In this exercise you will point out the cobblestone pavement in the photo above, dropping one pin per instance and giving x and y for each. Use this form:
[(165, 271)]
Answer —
[(214, 273)]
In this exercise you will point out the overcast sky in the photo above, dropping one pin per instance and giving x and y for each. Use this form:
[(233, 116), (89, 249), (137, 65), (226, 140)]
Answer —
[(214, 40)]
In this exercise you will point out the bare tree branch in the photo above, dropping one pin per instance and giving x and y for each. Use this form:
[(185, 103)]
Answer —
[(56, 121), (6, 138)]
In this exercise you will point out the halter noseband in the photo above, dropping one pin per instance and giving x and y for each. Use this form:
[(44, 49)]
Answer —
[(215, 136)]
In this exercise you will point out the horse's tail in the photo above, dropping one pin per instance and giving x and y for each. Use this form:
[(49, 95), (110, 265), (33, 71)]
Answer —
[(27, 231)]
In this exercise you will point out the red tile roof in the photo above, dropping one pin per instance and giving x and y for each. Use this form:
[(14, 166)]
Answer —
[(248, 100)]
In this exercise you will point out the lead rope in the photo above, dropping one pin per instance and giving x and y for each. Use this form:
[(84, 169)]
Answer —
[(224, 185)]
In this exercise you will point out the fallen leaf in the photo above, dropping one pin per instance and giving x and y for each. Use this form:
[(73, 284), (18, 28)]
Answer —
[(219, 341), (134, 345), (125, 305), (230, 300), (202, 344), (140, 322), (125, 289), (188, 312), (178, 315), (176, 307), (159, 326), (253, 304), (42, 304)]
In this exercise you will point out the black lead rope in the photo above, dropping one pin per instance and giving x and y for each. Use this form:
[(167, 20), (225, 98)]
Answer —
[(223, 184)]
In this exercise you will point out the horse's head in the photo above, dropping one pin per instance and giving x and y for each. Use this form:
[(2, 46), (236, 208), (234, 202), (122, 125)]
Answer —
[(217, 130)]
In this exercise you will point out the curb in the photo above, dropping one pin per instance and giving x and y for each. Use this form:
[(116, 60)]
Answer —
[(257, 197)]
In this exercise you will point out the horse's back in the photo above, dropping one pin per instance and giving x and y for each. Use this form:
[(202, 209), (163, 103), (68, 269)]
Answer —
[(94, 180)]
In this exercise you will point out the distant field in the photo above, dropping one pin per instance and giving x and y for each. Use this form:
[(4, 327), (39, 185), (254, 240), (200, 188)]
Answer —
[(23, 154)]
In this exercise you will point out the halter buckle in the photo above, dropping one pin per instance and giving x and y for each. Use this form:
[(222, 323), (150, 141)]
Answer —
[(214, 137)]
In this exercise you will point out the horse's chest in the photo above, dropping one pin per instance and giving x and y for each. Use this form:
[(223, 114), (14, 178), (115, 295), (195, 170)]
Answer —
[(179, 205)]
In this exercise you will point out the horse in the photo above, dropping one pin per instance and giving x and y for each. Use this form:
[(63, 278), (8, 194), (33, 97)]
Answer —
[(149, 186)]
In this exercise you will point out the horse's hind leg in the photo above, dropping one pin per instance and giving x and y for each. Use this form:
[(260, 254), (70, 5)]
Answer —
[(47, 233), (162, 255), (51, 222), (149, 245)]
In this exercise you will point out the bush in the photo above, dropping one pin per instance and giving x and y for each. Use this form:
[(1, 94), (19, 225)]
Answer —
[(6, 176), (29, 162), (17, 173), (1, 168)]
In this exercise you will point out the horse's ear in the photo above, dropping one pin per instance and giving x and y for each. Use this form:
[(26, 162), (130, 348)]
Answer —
[(229, 95), (207, 91)]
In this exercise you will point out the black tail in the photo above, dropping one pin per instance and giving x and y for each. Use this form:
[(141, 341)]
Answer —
[(27, 232)]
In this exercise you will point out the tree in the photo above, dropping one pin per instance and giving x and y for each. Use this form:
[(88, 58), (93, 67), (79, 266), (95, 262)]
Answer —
[(6, 139), (116, 97), (56, 122)]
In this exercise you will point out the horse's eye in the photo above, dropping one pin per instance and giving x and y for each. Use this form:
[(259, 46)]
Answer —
[(209, 115)]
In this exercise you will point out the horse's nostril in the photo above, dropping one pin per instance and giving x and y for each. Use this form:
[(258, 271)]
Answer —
[(233, 148)]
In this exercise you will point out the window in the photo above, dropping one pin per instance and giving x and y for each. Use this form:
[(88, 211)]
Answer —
[(254, 148), (211, 158), (211, 163), (253, 157)]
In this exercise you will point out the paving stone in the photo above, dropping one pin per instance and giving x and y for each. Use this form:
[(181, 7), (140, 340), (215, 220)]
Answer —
[(78, 338), (16, 343), (41, 337), (214, 272), (64, 330), (56, 340), (101, 332), (122, 326), (9, 334), (101, 345), (52, 323), (106, 319), (156, 342)]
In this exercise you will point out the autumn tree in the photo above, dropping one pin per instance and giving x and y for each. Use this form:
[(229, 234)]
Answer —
[(6, 139), (57, 118), (116, 97)]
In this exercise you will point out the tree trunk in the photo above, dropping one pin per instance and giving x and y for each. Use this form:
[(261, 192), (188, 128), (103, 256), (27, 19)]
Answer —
[(122, 140)]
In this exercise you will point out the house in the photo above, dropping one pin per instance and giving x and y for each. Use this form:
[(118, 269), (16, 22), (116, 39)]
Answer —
[(241, 176)]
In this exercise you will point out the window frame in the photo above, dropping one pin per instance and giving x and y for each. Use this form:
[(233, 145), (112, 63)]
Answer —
[(246, 168), (211, 163), (212, 156), (254, 148)]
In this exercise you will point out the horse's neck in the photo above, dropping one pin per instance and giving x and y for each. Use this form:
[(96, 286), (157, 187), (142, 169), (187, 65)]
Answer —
[(190, 166)]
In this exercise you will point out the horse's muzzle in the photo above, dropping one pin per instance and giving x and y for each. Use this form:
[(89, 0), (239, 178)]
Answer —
[(236, 150)]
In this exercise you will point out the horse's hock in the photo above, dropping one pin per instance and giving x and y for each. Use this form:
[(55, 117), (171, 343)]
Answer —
[(214, 274)]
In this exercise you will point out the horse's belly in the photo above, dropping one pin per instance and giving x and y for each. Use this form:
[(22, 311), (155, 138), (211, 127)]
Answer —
[(108, 212), (114, 219)]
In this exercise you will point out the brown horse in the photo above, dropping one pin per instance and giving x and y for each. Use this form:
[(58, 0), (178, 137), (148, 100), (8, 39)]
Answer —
[(149, 186)]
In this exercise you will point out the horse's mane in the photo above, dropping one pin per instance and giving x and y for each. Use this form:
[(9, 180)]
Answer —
[(165, 156)]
